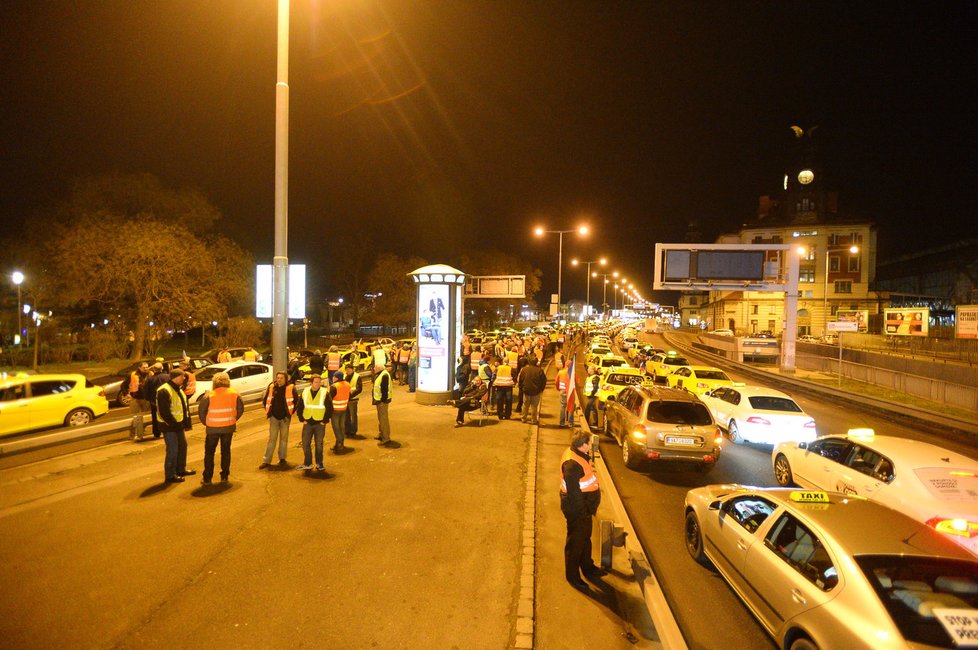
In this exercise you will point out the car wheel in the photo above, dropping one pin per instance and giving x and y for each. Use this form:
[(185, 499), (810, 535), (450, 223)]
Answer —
[(803, 643), (734, 433), (631, 460), (694, 538), (78, 417), (123, 399), (782, 471)]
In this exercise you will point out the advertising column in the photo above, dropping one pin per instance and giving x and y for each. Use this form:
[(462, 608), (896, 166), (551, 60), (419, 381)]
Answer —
[(439, 326)]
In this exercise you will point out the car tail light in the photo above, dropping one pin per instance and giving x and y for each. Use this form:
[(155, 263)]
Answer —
[(709, 459), (758, 420), (810, 424), (956, 527)]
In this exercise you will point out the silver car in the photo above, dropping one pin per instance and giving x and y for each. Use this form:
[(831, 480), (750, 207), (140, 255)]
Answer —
[(827, 570), (658, 425)]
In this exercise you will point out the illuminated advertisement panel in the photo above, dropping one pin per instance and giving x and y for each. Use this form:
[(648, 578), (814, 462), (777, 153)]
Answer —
[(858, 316), (966, 322), (906, 321), (264, 291), (433, 331)]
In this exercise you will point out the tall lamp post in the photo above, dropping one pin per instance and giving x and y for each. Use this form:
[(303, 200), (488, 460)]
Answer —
[(540, 232), (576, 262), (18, 278), (825, 279), (280, 260), (604, 297)]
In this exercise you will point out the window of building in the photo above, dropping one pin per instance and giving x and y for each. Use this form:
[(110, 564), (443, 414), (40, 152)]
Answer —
[(834, 263), (806, 275), (809, 254), (770, 326), (809, 293), (854, 264), (843, 286), (753, 309)]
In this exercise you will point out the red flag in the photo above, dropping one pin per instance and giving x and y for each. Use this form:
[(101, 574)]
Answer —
[(571, 386)]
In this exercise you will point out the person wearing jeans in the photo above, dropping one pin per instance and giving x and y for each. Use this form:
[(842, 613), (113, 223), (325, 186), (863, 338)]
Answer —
[(314, 408), (279, 403), (219, 410)]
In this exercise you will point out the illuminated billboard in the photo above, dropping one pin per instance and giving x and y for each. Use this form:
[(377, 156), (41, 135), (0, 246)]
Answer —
[(434, 330), (858, 316), (683, 265), (264, 291), (966, 322), (906, 321)]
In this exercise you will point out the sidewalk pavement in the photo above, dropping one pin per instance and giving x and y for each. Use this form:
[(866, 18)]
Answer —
[(424, 545)]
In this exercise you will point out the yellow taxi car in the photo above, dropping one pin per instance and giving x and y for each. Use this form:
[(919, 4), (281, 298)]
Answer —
[(658, 366), (698, 379), (29, 402), (613, 379), (829, 570)]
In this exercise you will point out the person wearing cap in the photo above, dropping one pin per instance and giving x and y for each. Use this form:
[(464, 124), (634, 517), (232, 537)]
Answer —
[(580, 496), (382, 393), (219, 410), (339, 393), (156, 379), (174, 414), (314, 408)]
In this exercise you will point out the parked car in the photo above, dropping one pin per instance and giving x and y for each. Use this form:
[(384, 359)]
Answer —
[(249, 378), (237, 353), (30, 402), (661, 365), (654, 424), (698, 379), (759, 414), (934, 485), (828, 570), (614, 379), (112, 384), (808, 338), (722, 332)]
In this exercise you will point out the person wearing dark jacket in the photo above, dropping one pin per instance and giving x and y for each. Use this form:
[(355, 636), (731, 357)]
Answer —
[(520, 364), (591, 387), (279, 403), (152, 384), (174, 414), (315, 408), (316, 364), (580, 496), (219, 410), (532, 382), (382, 394), (473, 394), (353, 410)]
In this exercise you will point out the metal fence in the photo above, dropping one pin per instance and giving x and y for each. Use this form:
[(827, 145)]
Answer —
[(964, 350)]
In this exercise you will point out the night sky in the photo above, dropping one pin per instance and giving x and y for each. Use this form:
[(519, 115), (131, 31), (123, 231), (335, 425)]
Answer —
[(434, 126)]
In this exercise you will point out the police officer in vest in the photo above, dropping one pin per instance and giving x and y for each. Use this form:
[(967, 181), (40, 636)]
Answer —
[(174, 415), (219, 410), (314, 408), (579, 499)]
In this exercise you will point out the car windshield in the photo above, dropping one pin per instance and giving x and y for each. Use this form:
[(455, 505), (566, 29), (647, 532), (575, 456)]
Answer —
[(712, 374), (771, 403), (691, 413), (911, 588), (622, 379), (675, 361)]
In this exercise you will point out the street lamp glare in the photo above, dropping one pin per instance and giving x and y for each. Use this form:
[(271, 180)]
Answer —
[(583, 230), (574, 262), (802, 251), (538, 231), (853, 249), (603, 261), (594, 274), (615, 274), (17, 277)]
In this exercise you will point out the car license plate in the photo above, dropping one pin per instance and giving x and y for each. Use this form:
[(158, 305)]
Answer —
[(676, 440)]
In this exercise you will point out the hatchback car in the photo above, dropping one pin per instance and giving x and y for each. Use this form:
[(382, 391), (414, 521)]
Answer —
[(249, 378), (613, 380), (934, 485), (759, 414), (829, 570), (662, 425), (698, 379), (29, 402)]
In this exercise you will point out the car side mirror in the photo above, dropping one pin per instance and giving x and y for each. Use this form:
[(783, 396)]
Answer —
[(802, 445), (715, 505)]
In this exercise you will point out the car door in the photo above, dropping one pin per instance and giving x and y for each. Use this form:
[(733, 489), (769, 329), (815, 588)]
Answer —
[(821, 462), (720, 405), (732, 533), (50, 401), (14, 409), (864, 472), (254, 379), (789, 573), (613, 413)]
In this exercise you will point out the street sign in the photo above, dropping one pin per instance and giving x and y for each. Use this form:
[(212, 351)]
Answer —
[(843, 326), (495, 286)]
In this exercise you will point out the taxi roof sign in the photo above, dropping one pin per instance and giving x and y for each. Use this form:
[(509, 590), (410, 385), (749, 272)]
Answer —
[(808, 496), (672, 353), (863, 432)]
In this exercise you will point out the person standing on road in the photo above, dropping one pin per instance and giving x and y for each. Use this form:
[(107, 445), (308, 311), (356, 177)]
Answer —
[(504, 391), (138, 404), (591, 387), (316, 364), (564, 386), (190, 381), (534, 380), (156, 379), (224, 356), (339, 394), (580, 496), (382, 394), (314, 408), (219, 411), (279, 403), (174, 414), (413, 369), (353, 410)]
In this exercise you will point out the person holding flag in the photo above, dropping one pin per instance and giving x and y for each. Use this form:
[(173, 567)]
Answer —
[(565, 388)]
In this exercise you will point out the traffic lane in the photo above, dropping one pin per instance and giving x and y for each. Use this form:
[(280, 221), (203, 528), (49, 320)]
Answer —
[(708, 611)]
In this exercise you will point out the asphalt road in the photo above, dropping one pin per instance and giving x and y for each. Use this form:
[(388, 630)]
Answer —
[(709, 613)]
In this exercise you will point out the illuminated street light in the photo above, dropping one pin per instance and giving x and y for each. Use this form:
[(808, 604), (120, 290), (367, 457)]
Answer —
[(18, 279), (581, 230), (804, 252), (603, 261), (280, 259)]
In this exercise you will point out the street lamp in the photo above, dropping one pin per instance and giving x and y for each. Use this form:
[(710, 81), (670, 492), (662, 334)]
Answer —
[(825, 279), (18, 278), (280, 260), (582, 230), (602, 262), (604, 297)]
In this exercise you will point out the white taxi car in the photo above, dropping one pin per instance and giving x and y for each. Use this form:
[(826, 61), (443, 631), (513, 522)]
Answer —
[(249, 378), (829, 570), (758, 414), (29, 402), (931, 484)]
